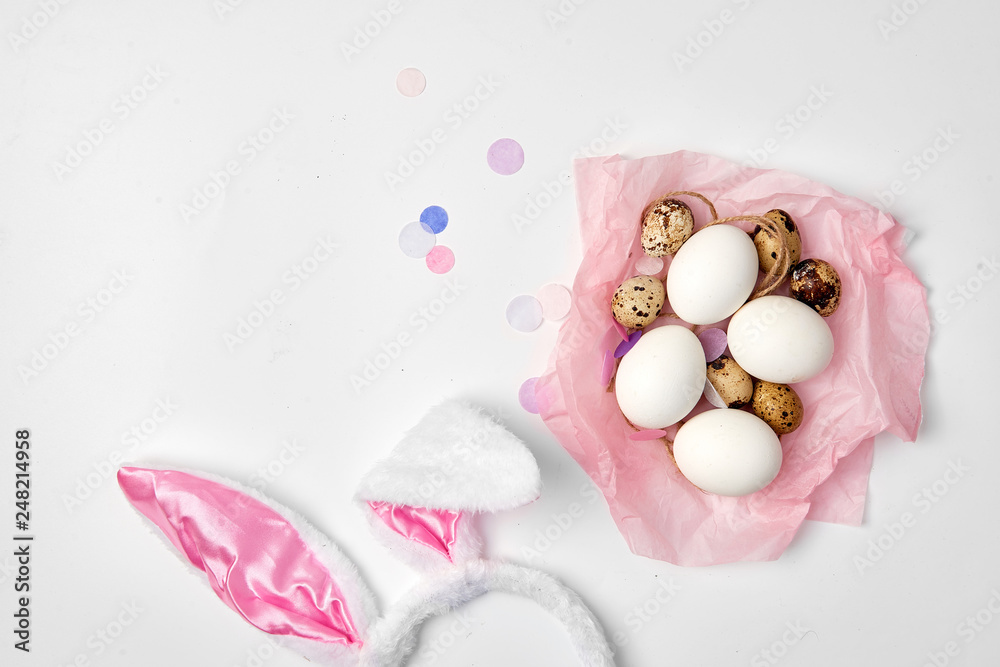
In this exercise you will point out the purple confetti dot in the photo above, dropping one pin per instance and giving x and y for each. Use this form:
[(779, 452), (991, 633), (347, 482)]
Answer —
[(524, 313), (626, 345), (714, 343), (527, 397), (415, 240), (505, 157)]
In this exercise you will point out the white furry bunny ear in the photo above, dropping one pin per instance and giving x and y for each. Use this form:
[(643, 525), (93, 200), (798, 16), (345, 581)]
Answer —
[(456, 462), (266, 563)]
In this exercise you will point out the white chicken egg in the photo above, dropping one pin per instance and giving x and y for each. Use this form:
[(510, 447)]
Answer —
[(778, 339), (727, 452), (661, 379), (712, 274)]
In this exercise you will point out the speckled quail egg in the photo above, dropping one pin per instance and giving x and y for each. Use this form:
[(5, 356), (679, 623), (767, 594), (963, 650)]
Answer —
[(638, 301)]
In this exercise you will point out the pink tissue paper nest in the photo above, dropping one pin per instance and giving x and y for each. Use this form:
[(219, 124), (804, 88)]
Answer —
[(880, 331)]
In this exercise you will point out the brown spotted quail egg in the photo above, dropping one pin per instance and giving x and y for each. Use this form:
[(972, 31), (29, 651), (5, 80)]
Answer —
[(733, 384), (768, 246), (778, 405), (638, 301), (666, 227), (816, 284)]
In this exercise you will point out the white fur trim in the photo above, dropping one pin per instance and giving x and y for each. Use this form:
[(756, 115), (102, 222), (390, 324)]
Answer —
[(358, 597), (457, 457), (468, 542), (393, 638)]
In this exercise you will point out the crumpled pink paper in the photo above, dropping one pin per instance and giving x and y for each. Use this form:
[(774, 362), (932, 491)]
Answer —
[(872, 385)]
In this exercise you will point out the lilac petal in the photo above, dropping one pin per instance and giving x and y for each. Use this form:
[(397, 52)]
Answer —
[(714, 342), (628, 344)]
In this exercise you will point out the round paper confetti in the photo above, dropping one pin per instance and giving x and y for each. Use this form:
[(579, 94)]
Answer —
[(712, 396), (505, 157), (526, 396), (435, 218), (555, 300), (650, 434), (648, 266), (607, 368), (416, 240), (713, 341), (440, 259), (410, 82), (524, 313)]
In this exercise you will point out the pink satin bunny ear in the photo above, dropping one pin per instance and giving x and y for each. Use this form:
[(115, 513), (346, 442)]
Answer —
[(456, 462), (267, 564)]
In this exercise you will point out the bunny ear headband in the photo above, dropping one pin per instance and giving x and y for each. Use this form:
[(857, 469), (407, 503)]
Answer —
[(286, 578)]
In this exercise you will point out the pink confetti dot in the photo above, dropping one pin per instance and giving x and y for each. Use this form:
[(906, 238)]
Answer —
[(524, 313), (555, 300), (526, 396), (440, 259), (505, 157), (649, 266), (410, 82)]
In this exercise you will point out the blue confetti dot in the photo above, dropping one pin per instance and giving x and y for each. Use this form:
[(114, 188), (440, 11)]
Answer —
[(434, 218)]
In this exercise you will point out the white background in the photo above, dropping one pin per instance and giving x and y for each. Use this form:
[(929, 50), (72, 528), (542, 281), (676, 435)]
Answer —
[(561, 73)]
